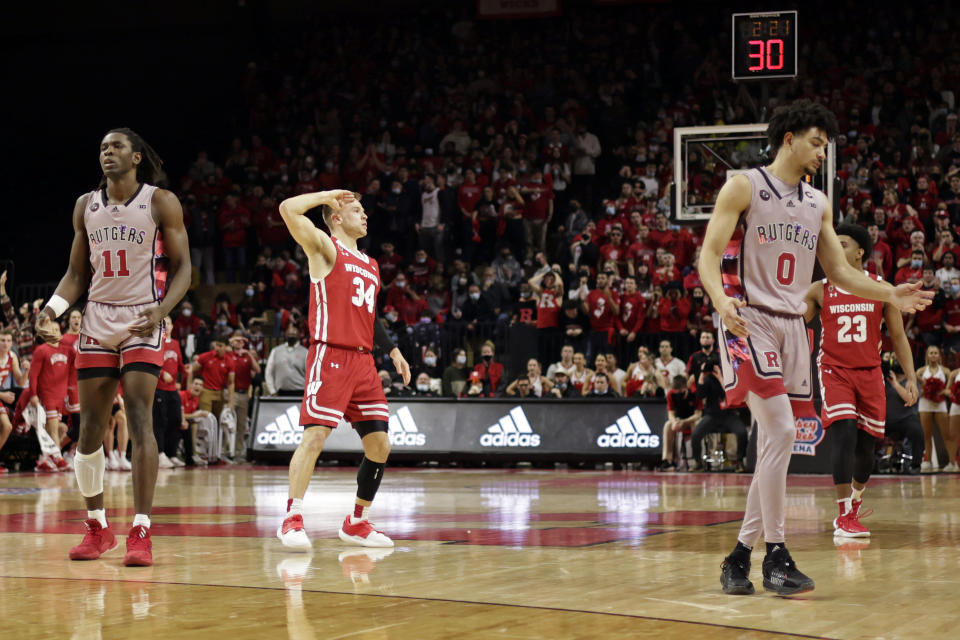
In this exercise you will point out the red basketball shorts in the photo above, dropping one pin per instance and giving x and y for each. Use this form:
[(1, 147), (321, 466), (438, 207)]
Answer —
[(854, 394), (106, 341), (342, 384), (52, 402)]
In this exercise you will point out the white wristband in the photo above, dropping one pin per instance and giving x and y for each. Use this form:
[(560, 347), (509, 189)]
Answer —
[(58, 305)]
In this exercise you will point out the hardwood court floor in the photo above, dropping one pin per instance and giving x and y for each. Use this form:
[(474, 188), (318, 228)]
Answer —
[(480, 554)]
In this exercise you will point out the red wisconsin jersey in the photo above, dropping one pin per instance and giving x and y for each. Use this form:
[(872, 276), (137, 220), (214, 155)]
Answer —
[(343, 304), (851, 329), (50, 370)]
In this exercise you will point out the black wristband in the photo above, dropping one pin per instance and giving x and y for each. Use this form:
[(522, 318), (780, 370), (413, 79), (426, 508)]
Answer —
[(380, 337)]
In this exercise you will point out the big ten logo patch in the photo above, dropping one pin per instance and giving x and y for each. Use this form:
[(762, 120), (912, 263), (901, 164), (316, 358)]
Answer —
[(809, 434)]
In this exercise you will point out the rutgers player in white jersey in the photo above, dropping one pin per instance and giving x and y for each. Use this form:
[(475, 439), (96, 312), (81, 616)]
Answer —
[(758, 283), (130, 256), (851, 381), (342, 381)]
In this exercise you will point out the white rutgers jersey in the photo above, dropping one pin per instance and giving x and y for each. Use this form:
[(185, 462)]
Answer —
[(126, 249), (775, 257)]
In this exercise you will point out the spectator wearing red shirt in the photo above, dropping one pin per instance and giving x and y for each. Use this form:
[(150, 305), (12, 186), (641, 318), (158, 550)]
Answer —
[(881, 259), (389, 262), (608, 220), (421, 269), (910, 272), (945, 244), (547, 286), (602, 306), (924, 198), (467, 198), (405, 300), (641, 250), (288, 296), (260, 155), (271, 230), (233, 221), (662, 236), (537, 213), (633, 312), (626, 202), (616, 251), (929, 321), (187, 324), (245, 367), (166, 402), (216, 369), (190, 412), (673, 310), (489, 371), (898, 235), (852, 195), (667, 272)]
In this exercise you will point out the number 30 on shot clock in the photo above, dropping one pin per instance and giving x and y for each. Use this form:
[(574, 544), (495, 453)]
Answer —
[(764, 45)]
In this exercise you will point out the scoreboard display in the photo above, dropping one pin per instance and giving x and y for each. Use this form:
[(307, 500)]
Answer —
[(764, 45)]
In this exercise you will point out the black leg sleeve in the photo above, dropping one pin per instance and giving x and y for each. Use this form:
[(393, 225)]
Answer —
[(369, 476), (866, 454), (844, 447)]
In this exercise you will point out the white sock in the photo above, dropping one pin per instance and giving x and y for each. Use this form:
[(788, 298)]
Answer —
[(141, 520), (295, 507), (100, 515), (856, 493)]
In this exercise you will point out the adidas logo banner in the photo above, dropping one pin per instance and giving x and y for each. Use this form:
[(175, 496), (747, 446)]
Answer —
[(616, 428), (403, 430), (630, 430), (512, 430)]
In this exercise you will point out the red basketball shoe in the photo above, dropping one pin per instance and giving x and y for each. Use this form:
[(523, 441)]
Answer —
[(363, 534), (847, 524), (292, 535), (139, 548), (96, 542), (46, 464)]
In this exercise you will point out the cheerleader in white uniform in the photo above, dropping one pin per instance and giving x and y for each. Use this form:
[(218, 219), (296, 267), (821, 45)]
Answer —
[(933, 403)]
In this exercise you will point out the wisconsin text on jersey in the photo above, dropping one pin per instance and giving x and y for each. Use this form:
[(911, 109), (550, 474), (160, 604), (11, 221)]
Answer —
[(866, 307), (786, 232), (352, 268)]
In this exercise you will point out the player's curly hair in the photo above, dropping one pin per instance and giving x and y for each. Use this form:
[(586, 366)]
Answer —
[(859, 235), (150, 169), (797, 117)]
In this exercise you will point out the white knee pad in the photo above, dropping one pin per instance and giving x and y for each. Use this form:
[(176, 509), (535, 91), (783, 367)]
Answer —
[(88, 468)]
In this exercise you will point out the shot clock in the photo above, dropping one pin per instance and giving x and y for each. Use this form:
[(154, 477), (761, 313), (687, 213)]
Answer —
[(764, 45)]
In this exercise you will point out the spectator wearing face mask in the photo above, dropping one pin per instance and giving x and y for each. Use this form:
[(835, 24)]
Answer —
[(420, 271), (455, 375), (250, 306), (405, 300), (390, 263), (427, 365), (286, 366), (422, 389), (490, 371), (912, 271)]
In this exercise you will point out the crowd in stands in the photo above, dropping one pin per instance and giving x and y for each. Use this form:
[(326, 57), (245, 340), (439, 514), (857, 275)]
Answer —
[(518, 175)]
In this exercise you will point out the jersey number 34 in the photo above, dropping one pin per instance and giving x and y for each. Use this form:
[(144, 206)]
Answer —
[(364, 295)]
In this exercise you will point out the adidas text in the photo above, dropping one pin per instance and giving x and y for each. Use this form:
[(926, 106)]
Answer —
[(630, 430), (402, 430), (512, 430)]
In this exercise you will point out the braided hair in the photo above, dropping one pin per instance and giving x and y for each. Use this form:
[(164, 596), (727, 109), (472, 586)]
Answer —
[(150, 169)]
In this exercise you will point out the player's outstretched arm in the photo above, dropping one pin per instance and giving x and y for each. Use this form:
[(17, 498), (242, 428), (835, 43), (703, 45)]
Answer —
[(814, 301), (905, 297), (77, 278), (732, 200), (901, 347), (315, 242)]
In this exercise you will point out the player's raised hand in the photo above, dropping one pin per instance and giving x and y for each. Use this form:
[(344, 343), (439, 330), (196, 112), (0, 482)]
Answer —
[(401, 365), (910, 297), (734, 323), (147, 320), (338, 197)]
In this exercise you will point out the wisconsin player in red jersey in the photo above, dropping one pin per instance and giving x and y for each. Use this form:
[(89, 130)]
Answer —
[(130, 256), (342, 381), (50, 371), (851, 381)]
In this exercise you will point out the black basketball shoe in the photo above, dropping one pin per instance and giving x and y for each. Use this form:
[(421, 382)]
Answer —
[(780, 574), (734, 576)]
